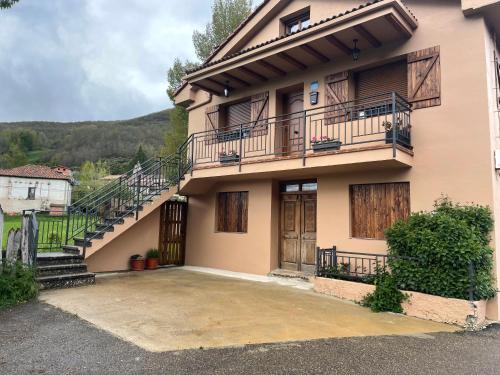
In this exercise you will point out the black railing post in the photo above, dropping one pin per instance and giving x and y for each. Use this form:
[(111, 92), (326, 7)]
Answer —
[(138, 192), (334, 256), (394, 125), (304, 137), (192, 154), (179, 171), (67, 224), (241, 148), (85, 232)]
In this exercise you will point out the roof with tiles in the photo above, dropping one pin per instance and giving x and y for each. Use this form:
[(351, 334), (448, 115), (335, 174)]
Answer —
[(205, 65), (35, 171)]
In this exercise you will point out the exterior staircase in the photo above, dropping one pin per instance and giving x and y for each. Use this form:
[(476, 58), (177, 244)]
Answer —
[(99, 217), (62, 270)]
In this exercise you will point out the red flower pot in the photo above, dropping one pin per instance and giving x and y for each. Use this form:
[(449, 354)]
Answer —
[(152, 263), (137, 264)]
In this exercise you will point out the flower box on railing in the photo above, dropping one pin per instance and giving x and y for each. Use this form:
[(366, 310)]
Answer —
[(231, 158), (326, 145)]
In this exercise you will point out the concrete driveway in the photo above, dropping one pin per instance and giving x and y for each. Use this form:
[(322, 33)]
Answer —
[(174, 309)]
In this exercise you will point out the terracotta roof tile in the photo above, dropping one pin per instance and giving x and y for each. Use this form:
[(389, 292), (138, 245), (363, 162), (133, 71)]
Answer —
[(34, 171)]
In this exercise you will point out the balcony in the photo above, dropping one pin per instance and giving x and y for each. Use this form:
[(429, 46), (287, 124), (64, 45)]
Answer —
[(362, 131)]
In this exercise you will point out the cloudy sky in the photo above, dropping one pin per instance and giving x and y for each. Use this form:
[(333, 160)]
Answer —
[(71, 60)]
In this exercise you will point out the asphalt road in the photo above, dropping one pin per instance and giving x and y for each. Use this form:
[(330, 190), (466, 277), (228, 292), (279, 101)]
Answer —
[(38, 339)]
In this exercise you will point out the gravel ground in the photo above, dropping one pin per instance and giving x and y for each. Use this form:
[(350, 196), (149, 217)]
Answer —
[(36, 338)]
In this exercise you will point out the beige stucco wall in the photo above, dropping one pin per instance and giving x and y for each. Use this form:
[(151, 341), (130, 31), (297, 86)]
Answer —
[(251, 252), (137, 239)]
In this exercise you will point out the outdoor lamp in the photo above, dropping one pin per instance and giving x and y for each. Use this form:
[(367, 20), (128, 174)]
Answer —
[(226, 89), (355, 51)]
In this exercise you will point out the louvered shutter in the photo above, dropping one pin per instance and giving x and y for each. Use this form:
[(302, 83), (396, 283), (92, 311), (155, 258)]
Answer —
[(424, 78), (382, 80), (238, 114), (259, 112), (336, 96)]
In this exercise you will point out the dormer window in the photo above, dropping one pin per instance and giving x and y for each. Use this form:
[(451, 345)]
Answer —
[(297, 22)]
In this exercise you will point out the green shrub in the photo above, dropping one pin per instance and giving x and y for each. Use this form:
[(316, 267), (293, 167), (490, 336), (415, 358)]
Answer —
[(387, 296), (136, 257), (431, 251), (153, 253), (17, 284)]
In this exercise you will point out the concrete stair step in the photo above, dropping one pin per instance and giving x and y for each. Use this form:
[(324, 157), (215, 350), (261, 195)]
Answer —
[(66, 280), (132, 208), (95, 234), (124, 214), (47, 259), (61, 269), (113, 220), (104, 228), (81, 242), (69, 249)]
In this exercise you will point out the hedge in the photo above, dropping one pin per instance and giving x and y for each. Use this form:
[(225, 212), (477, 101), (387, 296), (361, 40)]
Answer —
[(431, 252), (17, 284)]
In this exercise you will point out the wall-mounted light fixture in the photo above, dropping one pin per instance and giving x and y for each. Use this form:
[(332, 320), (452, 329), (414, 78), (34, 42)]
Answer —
[(355, 50), (314, 94), (226, 89)]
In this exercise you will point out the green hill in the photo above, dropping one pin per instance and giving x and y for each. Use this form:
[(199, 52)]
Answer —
[(75, 142)]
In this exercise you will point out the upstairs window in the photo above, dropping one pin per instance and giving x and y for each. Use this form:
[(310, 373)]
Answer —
[(297, 22)]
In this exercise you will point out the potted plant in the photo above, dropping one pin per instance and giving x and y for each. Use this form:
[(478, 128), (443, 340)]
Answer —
[(137, 262), (229, 157), (325, 143), (152, 259)]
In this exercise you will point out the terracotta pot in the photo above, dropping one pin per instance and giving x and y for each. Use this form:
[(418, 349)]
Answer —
[(152, 263), (137, 264)]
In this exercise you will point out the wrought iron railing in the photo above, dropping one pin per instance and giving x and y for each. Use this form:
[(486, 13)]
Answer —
[(382, 119), (348, 265)]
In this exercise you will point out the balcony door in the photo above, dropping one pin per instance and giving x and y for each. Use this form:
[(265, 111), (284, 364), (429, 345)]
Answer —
[(290, 126), (298, 227)]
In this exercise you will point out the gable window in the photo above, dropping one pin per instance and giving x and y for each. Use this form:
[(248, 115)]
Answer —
[(375, 207), (296, 22), (31, 193), (232, 212)]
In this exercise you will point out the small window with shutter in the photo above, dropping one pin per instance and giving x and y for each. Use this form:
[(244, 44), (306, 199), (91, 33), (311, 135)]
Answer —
[(232, 212)]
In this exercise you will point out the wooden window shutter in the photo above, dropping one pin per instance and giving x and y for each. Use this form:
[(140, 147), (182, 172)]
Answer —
[(424, 78), (336, 95), (375, 207), (212, 118), (259, 111), (232, 212)]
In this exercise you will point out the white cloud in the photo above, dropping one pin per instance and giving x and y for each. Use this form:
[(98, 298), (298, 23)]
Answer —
[(69, 60)]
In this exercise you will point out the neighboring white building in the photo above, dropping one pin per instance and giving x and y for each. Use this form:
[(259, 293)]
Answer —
[(35, 187)]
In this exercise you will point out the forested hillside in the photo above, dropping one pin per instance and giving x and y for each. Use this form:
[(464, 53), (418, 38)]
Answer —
[(114, 142)]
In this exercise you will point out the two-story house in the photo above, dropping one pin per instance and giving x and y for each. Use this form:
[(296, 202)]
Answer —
[(320, 123)]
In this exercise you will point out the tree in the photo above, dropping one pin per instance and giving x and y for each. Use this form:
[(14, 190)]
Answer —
[(90, 178), (7, 3), (139, 157), (175, 75), (226, 16), (14, 157)]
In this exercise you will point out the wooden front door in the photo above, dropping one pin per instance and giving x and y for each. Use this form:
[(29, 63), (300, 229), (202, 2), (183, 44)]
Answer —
[(292, 125), (298, 231)]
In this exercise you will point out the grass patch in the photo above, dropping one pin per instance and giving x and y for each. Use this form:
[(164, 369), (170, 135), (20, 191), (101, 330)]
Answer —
[(10, 222)]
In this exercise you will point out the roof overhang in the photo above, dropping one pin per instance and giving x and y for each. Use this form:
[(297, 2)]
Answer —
[(374, 25), (489, 9)]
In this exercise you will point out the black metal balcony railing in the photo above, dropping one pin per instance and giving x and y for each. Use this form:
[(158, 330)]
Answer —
[(381, 119), (384, 119)]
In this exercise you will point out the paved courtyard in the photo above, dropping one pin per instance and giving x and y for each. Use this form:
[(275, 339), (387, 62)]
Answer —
[(175, 309), (37, 338)]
